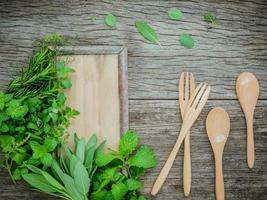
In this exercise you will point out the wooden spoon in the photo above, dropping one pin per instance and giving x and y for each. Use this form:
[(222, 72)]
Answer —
[(218, 127), (247, 89)]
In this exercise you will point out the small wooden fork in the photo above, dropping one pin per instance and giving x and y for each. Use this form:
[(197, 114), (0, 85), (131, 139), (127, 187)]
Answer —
[(186, 90), (192, 111)]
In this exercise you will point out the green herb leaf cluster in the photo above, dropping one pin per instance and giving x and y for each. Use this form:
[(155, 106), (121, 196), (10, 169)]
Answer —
[(70, 173), (210, 18), (33, 114), (118, 174)]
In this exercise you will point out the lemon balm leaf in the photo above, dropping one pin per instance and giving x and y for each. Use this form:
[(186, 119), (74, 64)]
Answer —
[(175, 14), (110, 20), (187, 41)]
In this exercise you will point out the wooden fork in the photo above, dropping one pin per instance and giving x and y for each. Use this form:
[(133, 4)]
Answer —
[(192, 111), (186, 89)]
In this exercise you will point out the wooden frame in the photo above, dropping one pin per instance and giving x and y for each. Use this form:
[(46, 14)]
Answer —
[(123, 74)]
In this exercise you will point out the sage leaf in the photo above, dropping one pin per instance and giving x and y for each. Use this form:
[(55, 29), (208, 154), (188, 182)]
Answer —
[(39, 182), (110, 20), (175, 14), (187, 41), (81, 178), (147, 31)]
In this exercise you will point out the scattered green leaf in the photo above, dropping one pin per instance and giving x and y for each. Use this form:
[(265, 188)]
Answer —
[(147, 31), (110, 20), (175, 14), (186, 40)]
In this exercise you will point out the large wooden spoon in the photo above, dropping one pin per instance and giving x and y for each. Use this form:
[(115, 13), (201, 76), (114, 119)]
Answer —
[(247, 89), (218, 127)]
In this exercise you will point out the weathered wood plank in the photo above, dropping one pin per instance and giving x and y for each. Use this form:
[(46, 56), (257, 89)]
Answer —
[(158, 122), (238, 43)]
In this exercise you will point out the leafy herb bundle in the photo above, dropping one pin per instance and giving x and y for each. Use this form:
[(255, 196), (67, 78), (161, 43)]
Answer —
[(118, 173), (70, 174), (33, 115)]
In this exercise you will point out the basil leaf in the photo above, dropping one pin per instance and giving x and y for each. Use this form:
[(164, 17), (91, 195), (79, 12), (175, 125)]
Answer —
[(186, 40), (110, 20), (147, 31), (175, 14)]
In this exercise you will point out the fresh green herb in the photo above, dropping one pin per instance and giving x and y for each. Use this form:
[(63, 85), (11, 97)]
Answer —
[(34, 118), (110, 20), (210, 18), (186, 40), (90, 173), (175, 14), (147, 31), (118, 174), (70, 174)]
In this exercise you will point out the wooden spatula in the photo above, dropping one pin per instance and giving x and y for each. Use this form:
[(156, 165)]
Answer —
[(218, 127), (247, 89), (192, 111)]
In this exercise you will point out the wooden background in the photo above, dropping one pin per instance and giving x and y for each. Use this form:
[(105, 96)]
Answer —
[(237, 44)]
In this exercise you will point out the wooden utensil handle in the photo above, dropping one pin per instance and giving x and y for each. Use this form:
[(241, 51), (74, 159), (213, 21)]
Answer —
[(168, 164), (219, 178), (187, 166), (250, 143)]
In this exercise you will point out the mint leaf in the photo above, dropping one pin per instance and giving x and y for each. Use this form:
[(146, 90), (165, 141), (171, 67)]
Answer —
[(103, 159), (134, 184), (17, 111), (47, 159), (128, 143), (110, 20), (144, 157), (50, 144), (119, 190), (175, 14), (7, 142), (38, 150), (186, 40)]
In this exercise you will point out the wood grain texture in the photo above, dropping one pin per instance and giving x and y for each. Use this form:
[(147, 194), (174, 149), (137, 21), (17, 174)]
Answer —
[(95, 94), (237, 44)]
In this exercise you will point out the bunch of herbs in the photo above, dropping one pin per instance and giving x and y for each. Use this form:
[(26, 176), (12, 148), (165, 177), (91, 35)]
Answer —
[(118, 174), (33, 114)]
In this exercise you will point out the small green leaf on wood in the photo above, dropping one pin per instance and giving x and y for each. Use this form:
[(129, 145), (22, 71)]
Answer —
[(110, 20), (147, 31), (175, 14), (186, 40), (210, 18)]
